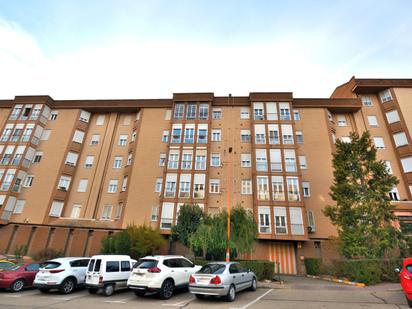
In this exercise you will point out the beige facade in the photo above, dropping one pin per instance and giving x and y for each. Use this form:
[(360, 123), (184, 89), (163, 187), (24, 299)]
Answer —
[(74, 171)]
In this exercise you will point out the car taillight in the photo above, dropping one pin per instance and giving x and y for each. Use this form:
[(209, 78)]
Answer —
[(55, 271), (154, 270), (192, 279), (215, 280)]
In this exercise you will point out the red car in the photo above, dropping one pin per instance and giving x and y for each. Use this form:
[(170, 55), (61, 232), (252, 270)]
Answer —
[(19, 277), (406, 279)]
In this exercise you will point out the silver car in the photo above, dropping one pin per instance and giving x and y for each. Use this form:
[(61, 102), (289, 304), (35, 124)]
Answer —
[(222, 279)]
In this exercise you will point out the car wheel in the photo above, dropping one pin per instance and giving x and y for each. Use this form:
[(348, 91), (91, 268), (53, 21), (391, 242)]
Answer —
[(409, 302), (166, 291), (67, 286), (92, 291), (44, 290), (253, 287), (231, 294), (200, 296), (17, 285), (139, 293), (108, 290)]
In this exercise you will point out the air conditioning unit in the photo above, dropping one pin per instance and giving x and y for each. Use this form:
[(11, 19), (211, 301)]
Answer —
[(63, 188), (311, 228)]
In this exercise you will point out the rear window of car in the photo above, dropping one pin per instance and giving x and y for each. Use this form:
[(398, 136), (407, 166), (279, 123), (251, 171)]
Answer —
[(32, 267), (144, 264), (5, 265), (97, 266), (409, 268), (214, 269), (91, 264), (112, 266), (51, 265)]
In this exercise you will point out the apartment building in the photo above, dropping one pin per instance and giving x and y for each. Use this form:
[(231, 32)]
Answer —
[(75, 171)]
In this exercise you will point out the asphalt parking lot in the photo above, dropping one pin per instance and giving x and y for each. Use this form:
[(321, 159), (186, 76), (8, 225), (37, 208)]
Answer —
[(300, 294)]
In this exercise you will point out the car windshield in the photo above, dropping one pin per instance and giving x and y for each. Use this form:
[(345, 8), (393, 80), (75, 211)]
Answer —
[(409, 268), (145, 263), (50, 265), (214, 269)]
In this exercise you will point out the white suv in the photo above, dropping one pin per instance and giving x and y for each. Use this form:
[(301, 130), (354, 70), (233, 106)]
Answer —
[(64, 274), (162, 274)]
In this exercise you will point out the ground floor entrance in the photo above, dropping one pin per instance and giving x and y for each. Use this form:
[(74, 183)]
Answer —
[(283, 254)]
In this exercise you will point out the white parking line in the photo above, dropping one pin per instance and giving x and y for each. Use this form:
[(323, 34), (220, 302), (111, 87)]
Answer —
[(68, 298), (120, 301), (254, 301), (180, 304), (18, 295)]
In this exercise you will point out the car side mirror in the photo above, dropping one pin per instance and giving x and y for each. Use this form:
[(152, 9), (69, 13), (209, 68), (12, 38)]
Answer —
[(397, 270)]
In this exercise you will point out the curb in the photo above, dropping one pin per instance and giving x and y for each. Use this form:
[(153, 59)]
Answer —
[(337, 280)]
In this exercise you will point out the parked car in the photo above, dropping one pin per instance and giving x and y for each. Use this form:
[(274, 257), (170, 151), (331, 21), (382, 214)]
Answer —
[(162, 274), (405, 275), (108, 273), (222, 279), (4, 264), (64, 274), (19, 277)]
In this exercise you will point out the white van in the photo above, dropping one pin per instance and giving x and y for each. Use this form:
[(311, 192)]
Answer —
[(108, 273)]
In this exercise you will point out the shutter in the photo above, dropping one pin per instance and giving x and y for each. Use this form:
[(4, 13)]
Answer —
[(392, 116), (167, 211), (20, 149), (289, 154), (287, 129), (260, 129), (30, 154), (407, 164), (89, 160), (261, 155), (9, 149), (185, 178), (38, 132), (199, 179), (78, 136), (400, 139), (284, 105)]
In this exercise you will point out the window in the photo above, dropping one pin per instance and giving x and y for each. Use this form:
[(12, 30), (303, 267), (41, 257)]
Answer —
[(187, 160), (373, 121), (296, 221), (245, 136), (165, 136), (18, 155), (199, 186), (393, 116), (407, 164), (217, 113), (118, 211), (173, 162), (17, 133), (56, 209), (37, 157), (26, 112), (261, 160), (345, 139), (78, 136), (124, 183), (216, 135), (385, 96), (189, 134), (129, 158), (184, 186), (7, 155), (271, 111), (260, 134), (287, 134), (278, 189), (342, 121), (262, 188), (122, 140), (299, 137), (28, 181), (176, 134), (162, 159), (379, 144), (215, 160), (168, 114), (202, 134), (53, 115), (388, 167), (366, 101), (200, 163), (19, 206), (290, 160), (258, 112), (27, 133), (244, 113), (275, 160), (16, 112), (203, 111), (71, 158), (107, 213), (245, 160), (95, 139), (284, 111), (158, 185), (279, 214), (293, 189), (134, 135), (100, 120), (117, 162), (125, 266), (46, 135), (214, 186), (166, 217), (264, 219), (76, 211), (302, 162), (400, 139), (306, 188), (89, 162), (112, 186), (154, 214), (64, 183), (82, 187), (84, 116), (394, 194), (179, 110), (246, 186), (170, 186), (273, 130), (191, 111), (311, 221), (296, 115), (6, 133)]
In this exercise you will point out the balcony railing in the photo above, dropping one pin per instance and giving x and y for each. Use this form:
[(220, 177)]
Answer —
[(263, 196), (166, 223), (278, 196), (169, 193), (264, 229), (281, 230)]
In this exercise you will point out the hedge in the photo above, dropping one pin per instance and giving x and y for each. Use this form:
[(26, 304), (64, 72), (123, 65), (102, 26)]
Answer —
[(262, 269), (369, 271)]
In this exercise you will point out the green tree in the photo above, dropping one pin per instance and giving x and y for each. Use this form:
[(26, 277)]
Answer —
[(363, 213), (188, 221)]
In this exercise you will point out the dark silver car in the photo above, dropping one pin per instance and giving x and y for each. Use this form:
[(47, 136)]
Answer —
[(222, 279)]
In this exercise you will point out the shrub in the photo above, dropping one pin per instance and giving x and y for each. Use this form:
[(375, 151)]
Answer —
[(47, 254), (313, 266)]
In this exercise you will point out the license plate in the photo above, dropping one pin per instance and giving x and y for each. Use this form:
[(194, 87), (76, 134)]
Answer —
[(204, 280)]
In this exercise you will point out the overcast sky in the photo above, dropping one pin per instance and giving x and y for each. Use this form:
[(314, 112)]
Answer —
[(95, 49)]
